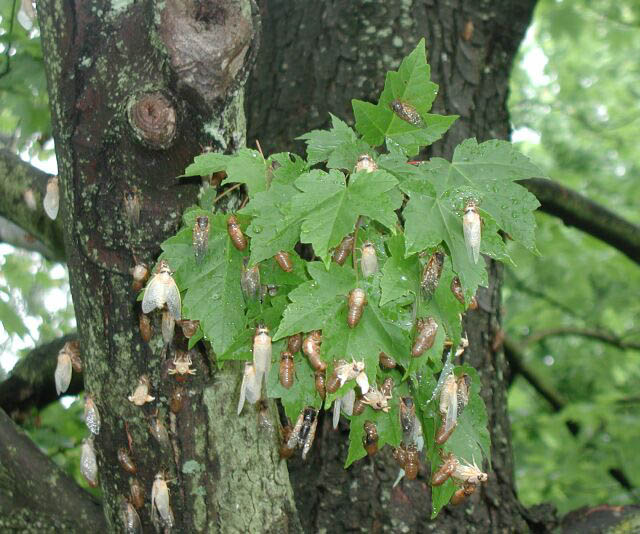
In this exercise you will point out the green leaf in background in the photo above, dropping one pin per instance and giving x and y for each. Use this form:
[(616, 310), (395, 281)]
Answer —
[(212, 288), (329, 208), (339, 147), (410, 84)]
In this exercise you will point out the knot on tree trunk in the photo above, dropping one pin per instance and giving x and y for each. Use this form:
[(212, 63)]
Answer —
[(152, 118)]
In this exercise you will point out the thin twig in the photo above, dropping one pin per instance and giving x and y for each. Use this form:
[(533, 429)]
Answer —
[(600, 335), (226, 191)]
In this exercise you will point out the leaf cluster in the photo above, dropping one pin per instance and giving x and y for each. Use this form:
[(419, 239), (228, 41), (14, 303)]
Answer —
[(406, 212)]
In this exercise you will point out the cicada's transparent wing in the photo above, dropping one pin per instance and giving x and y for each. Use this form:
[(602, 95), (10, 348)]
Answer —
[(154, 294), (348, 400), (172, 298), (337, 404), (51, 201), (62, 373), (295, 433), (471, 226), (88, 463)]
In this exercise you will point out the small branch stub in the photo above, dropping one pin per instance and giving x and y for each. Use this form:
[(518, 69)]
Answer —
[(152, 117)]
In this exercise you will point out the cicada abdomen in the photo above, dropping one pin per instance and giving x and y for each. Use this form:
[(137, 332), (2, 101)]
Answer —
[(425, 336), (343, 250), (283, 259), (357, 302), (287, 369), (235, 233)]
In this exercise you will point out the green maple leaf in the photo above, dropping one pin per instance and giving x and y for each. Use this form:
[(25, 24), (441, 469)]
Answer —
[(206, 164), (431, 219), (400, 274), (411, 85), (212, 292), (329, 209), (316, 301), (248, 167), (339, 146), (488, 172)]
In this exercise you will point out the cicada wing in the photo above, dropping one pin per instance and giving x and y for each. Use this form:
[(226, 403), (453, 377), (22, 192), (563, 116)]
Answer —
[(295, 433), (51, 201), (172, 298), (348, 400), (243, 389), (363, 381), (154, 294), (336, 412), (471, 228), (451, 417), (62, 373), (310, 437)]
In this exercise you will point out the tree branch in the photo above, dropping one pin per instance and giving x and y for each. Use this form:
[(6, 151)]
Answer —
[(553, 397), (599, 335), (31, 383), (518, 365), (16, 178), (35, 494), (577, 210)]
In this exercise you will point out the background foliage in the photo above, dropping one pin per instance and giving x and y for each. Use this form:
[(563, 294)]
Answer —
[(579, 116)]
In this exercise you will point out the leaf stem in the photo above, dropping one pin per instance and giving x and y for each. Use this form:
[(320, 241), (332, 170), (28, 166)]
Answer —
[(226, 191)]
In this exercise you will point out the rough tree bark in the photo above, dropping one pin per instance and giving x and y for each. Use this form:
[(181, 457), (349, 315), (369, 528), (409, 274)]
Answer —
[(136, 90), (315, 57)]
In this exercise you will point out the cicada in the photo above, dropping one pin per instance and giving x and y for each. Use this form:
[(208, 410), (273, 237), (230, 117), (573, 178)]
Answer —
[(262, 351), (283, 259), (88, 462), (91, 415), (342, 251), (161, 290), (235, 233), (471, 227), (250, 280), (62, 374), (160, 507), (201, 237), (141, 395), (425, 336), (132, 206), (287, 369), (51, 201), (130, 518), (357, 302), (369, 260), (304, 431), (311, 349), (250, 388), (370, 439), (432, 272), (366, 163), (406, 112)]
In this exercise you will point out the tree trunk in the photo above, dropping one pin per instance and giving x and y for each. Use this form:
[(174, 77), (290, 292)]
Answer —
[(136, 90), (314, 58)]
